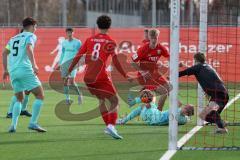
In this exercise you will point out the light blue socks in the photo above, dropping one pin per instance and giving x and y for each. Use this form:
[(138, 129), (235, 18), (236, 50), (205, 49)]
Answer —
[(66, 92), (13, 101), (36, 108), (25, 102), (15, 114)]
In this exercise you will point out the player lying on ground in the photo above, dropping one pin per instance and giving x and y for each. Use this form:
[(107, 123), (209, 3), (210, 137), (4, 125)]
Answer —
[(146, 62), (19, 63), (151, 115), (213, 87), (97, 50), (70, 47)]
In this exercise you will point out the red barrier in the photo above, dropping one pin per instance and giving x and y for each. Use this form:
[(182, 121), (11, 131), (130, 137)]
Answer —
[(223, 50)]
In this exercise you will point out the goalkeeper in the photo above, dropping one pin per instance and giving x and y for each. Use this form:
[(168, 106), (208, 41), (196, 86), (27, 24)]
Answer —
[(213, 87), (151, 115)]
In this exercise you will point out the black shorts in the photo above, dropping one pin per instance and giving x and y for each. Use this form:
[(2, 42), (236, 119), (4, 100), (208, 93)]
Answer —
[(221, 98)]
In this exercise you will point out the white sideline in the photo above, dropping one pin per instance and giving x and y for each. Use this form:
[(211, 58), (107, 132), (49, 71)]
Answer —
[(170, 153), (232, 101)]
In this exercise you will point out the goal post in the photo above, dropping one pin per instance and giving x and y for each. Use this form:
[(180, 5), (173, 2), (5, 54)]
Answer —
[(203, 49), (174, 61)]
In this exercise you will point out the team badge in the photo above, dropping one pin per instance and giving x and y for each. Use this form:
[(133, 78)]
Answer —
[(135, 56)]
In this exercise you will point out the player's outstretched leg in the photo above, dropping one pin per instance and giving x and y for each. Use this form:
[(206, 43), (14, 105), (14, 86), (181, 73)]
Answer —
[(16, 112), (36, 108), (10, 108)]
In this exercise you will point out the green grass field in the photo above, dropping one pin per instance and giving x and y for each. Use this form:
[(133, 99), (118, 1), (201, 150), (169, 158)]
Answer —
[(68, 140)]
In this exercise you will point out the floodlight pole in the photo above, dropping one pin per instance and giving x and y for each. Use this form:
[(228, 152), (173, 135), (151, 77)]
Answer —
[(174, 60), (154, 18), (64, 13), (203, 49)]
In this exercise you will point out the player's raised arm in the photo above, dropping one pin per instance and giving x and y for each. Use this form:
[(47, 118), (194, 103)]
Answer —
[(194, 70), (189, 71)]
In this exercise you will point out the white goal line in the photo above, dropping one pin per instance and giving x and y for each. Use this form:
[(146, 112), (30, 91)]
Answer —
[(170, 153)]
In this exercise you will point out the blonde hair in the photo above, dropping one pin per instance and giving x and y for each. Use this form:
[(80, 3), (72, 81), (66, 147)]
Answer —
[(153, 32)]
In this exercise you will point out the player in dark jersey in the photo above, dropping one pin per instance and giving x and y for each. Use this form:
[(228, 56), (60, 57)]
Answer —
[(97, 49), (213, 87)]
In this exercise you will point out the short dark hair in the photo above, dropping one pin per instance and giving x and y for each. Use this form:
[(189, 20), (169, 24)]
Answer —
[(104, 22), (200, 57), (69, 29), (29, 21)]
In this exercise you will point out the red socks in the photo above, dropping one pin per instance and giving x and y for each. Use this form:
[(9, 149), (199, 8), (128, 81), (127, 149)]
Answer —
[(109, 117), (105, 117), (112, 118)]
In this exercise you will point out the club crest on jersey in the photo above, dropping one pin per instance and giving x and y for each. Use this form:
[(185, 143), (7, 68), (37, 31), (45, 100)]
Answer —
[(135, 56), (158, 51)]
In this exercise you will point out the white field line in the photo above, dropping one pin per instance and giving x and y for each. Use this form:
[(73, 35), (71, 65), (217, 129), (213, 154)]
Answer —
[(170, 153)]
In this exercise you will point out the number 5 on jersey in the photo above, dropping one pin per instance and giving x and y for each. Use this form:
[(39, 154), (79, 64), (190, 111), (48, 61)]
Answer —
[(15, 47)]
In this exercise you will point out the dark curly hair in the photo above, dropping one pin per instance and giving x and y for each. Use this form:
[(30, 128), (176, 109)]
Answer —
[(29, 21), (104, 22)]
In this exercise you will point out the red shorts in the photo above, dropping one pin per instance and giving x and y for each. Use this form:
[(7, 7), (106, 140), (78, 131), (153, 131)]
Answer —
[(102, 89), (153, 83)]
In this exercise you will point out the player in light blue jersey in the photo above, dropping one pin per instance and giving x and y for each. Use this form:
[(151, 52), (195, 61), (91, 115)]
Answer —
[(24, 111), (19, 63), (151, 115), (70, 47)]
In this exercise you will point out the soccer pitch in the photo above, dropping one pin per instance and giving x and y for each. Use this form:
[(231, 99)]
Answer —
[(86, 140)]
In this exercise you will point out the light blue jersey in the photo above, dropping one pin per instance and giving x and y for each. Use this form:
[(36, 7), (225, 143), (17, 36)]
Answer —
[(152, 116), (69, 50), (18, 57), (19, 65)]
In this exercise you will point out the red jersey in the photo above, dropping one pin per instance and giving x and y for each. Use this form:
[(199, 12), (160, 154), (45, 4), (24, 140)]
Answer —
[(145, 41), (148, 57), (97, 49)]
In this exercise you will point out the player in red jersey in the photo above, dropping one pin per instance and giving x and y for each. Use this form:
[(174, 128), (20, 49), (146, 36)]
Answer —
[(149, 70), (97, 49), (146, 38)]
